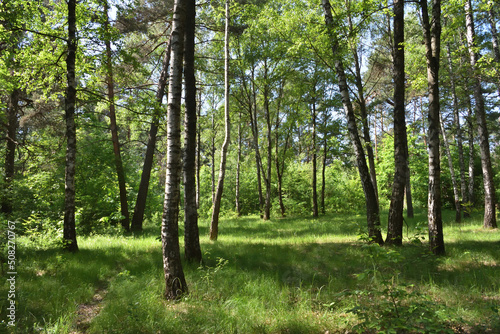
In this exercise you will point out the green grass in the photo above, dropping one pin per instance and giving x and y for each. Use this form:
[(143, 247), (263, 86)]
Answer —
[(292, 275)]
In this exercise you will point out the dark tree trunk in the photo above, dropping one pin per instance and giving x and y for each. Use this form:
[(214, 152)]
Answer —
[(142, 194), (192, 249), (314, 163), (372, 208), (395, 223), (69, 233), (484, 145), (323, 173), (432, 39), (238, 169), (280, 167), (175, 282), (10, 152), (255, 131), (114, 128), (267, 178), (214, 224)]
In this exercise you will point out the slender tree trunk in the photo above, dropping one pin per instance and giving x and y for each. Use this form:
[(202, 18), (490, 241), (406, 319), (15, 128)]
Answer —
[(484, 145), (10, 152), (267, 178), (255, 131), (238, 169), (114, 127), (363, 110), (432, 39), (372, 208), (198, 155), (280, 167), (142, 194), (456, 192), (192, 250), (323, 175), (175, 282), (395, 223), (69, 233), (456, 116), (214, 224), (212, 155), (470, 185), (314, 162)]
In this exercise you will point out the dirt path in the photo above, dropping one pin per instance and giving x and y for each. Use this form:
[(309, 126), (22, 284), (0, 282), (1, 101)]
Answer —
[(88, 311)]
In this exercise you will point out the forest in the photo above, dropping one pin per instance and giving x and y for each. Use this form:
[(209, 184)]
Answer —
[(249, 166)]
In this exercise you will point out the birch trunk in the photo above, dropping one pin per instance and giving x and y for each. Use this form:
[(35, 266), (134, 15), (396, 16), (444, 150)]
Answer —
[(484, 145), (175, 282)]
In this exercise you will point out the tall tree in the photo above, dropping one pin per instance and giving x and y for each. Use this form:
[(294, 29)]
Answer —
[(432, 41), (372, 208), (395, 224), (214, 224), (484, 144), (142, 194), (69, 233), (174, 275), (113, 126), (192, 249)]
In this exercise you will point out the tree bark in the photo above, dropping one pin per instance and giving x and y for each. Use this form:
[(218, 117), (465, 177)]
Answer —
[(69, 231), (267, 178), (432, 40), (456, 192), (484, 145), (372, 208), (395, 222), (314, 163), (114, 127), (323, 174), (471, 195), (238, 169), (142, 194), (214, 224), (175, 282), (192, 249), (409, 201)]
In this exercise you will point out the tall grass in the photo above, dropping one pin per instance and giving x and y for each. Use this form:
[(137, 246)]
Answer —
[(292, 275)]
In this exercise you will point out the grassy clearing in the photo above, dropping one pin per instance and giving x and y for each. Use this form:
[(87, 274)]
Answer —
[(292, 275)]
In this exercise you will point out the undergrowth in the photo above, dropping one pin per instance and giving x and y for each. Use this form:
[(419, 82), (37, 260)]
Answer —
[(292, 275)]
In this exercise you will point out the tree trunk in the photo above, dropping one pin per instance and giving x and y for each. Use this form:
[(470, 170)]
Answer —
[(192, 250), (214, 224), (267, 178), (432, 39), (484, 145), (10, 152), (142, 194), (255, 132), (238, 169), (69, 233), (472, 153), (456, 115), (280, 167), (114, 128), (323, 173), (198, 155), (175, 282), (372, 208), (456, 192), (314, 162), (395, 223)]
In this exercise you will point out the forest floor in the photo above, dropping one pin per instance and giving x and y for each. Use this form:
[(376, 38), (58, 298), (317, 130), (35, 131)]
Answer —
[(289, 275)]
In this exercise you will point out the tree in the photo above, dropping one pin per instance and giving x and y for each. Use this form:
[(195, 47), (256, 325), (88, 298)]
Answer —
[(174, 275), (192, 248), (432, 41), (395, 224), (214, 224), (114, 128), (69, 233), (372, 208), (484, 145)]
